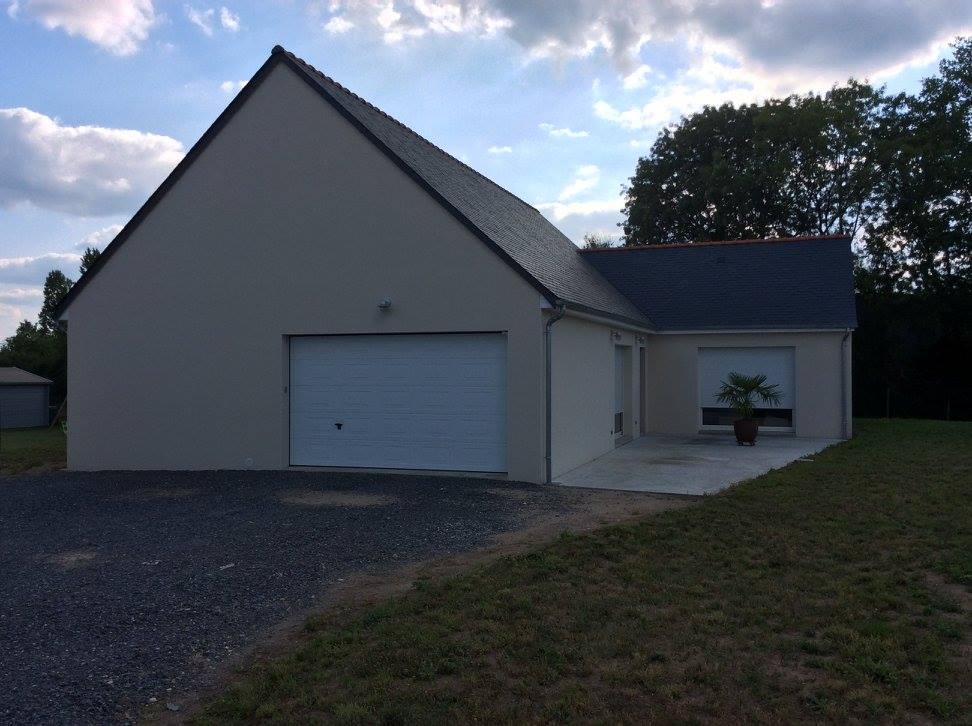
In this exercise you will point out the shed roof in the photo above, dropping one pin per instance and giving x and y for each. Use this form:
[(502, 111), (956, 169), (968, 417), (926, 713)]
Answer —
[(10, 376), (778, 283)]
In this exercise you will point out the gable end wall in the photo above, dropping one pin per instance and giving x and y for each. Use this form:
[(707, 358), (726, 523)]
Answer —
[(290, 222)]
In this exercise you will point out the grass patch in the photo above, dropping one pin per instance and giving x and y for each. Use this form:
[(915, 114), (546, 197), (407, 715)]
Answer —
[(807, 594), (23, 449)]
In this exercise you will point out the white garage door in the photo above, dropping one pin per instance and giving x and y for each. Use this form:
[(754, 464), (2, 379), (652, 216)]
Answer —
[(715, 364), (399, 401)]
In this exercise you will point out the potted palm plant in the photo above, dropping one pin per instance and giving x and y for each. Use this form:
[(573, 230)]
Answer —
[(740, 393)]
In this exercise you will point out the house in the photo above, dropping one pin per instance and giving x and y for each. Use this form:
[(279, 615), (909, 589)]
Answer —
[(316, 285), (24, 399)]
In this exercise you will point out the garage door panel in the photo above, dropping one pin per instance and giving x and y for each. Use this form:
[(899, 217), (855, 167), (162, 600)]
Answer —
[(403, 401), (402, 427)]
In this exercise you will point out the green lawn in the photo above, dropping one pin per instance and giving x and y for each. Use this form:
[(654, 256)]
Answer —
[(830, 590), (23, 449)]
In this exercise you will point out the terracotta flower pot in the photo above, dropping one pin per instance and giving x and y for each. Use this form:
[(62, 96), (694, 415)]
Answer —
[(746, 429)]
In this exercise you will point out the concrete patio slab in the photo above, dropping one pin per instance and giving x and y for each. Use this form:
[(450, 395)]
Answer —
[(694, 465)]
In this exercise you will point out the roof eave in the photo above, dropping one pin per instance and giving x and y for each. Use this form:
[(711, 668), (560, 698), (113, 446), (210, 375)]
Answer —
[(641, 324), (758, 329)]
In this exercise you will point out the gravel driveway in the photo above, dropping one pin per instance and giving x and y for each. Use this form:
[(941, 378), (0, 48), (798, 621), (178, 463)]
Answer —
[(120, 588)]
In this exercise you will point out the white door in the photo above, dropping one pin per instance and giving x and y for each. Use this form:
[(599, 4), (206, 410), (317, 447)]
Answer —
[(399, 401)]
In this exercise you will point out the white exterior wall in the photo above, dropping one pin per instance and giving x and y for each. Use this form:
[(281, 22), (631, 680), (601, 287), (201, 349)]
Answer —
[(583, 391), (672, 379), (289, 222)]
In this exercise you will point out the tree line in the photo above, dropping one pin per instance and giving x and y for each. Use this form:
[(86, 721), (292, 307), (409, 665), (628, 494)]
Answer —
[(41, 347), (894, 171)]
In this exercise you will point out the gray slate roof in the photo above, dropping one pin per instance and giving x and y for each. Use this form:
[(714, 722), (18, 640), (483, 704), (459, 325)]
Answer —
[(796, 283), (10, 376), (518, 231)]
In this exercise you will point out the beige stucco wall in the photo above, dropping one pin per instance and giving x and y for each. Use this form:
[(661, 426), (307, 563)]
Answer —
[(583, 391), (672, 382), (290, 222)]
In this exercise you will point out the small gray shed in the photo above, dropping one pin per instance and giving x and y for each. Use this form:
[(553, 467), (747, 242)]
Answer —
[(24, 399)]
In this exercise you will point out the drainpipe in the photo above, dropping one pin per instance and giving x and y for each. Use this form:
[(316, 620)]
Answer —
[(843, 383), (558, 313)]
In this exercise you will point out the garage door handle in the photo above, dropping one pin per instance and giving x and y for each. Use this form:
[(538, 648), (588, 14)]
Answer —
[(338, 426)]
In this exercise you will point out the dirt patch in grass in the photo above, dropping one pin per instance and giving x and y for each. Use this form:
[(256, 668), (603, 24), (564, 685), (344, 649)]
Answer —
[(588, 510), (159, 493), (584, 510), (959, 625), (74, 558), (315, 498), (960, 593)]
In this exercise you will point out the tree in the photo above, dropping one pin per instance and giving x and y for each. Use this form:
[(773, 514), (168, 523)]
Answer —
[(895, 172), (88, 258), (597, 241), (920, 238), (798, 165), (42, 347), (826, 146), (56, 286), (31, 349), (699, 182)]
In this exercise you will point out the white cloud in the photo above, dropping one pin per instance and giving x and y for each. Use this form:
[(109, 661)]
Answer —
[(858, 38), (86, 170), (231, 86), (202, 19), (633, 118), (11, 315), (338, 25), (400, 20), (562, 210), (638, 78), (500, 149), (22, 285), (563, 132), (229, 20), (100, 238), (22, 278), (17, 304), (118, 26), (823, 41), (712, 81), (21, 294), (31, 270), (585, 178)]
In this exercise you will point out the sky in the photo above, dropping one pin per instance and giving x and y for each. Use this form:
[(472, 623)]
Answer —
[(553, 99)]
